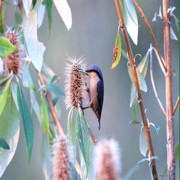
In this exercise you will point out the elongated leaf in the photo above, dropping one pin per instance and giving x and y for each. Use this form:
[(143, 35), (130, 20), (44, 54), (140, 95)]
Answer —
[(173, 35), (35, 48), (133, 94), (83, 137), (143, 146), (26, 120), (154, 18), (134, 122), (135, 110), (4, 96), (176, 22), (49, 13), (64, 11), (46, 156), (9, 131), (2, 17), (54, 88), (153, 158), (6, 47), (142, 82), (74, 172), (27, 6), (143, 160), (116, 52), (27, 79), (41, 12), (131, 20), (45, 116), (4, 144)]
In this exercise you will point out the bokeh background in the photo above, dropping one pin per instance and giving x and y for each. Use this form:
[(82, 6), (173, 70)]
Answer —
[(92, 36)]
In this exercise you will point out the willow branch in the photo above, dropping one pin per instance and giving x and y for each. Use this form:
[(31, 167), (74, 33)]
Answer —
[(55, 118), (135, 79), (176, 106), (151, 33), (171, 166), (153, 84)]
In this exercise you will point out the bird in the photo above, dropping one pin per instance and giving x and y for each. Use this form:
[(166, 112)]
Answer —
[(96, 90)]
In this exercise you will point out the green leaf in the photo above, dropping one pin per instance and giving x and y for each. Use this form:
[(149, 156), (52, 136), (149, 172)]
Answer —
[(174, 72), (176, 22), (45, 116), (34, 47), (4, 96), (55, 100), (82, 132), (135, 110), (49, 13), (18, 18), (4, 144), (116, 52), (27, 79), (134, 122), (71, 127), (142, 160), (142, 82), (54, 88), (26, 120), (2, 17), (131, 20), (9, 131), (172, 34), (153, 158), (133, 94), (143, 145), (46, 156), (64, 11), (6, 47), (177, 150), (74, 172)]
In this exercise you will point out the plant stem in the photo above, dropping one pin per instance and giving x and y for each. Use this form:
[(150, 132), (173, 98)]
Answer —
[(153, 84), (176, 106), (55, 118), (151, 33), (169, 103), (135, 79)]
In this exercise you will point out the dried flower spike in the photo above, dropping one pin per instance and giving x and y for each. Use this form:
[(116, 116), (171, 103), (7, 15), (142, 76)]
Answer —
[(75, 88), (14, 61), (61, 163), (107, 160)]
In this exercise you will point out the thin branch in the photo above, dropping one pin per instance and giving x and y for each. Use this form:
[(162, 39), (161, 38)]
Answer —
[(153, 84), (135, 79), (176, 106), (150, 30), (171, 166), (55, 118)]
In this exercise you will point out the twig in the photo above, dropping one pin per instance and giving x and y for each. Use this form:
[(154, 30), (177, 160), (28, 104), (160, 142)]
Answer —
[(135, 79), (169, 104), (153, 84), (175, 107), (150, 30), (55, 118)]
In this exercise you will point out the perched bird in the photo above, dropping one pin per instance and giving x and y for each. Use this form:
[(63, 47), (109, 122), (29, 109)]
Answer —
[(96, 90)]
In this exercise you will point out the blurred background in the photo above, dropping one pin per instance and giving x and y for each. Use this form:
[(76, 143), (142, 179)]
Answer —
[(92, 37)]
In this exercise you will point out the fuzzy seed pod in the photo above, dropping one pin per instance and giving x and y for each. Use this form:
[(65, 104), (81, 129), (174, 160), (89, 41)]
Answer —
[(14, 61), (75, 87), (107, 160), (61, 163)]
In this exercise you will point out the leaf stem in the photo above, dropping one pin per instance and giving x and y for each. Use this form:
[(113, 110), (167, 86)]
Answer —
[(135, 79), (153, 84), (176, 106), (151, 33), (55, 118)]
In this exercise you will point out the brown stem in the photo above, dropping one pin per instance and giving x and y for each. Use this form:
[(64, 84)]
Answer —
[(55, 118), (153, 84), (169, 103), (135, 79), (175, 107), (150, 30)]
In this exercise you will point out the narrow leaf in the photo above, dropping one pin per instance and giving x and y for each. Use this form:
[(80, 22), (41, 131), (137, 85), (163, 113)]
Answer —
[(41, 12), (4, 144), (54, 88), (134, 122), (49, 13), (134, 110), (142, 160), (83, 137), (26, 120), (27, 6), (154, 18), (74, 172), (131, 20), (173, 35), (153, 158), (9, 131), (64, 11), (6, 47), (143, 146), (2, 17), (116, 52), (133, 94), (4, 96)]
